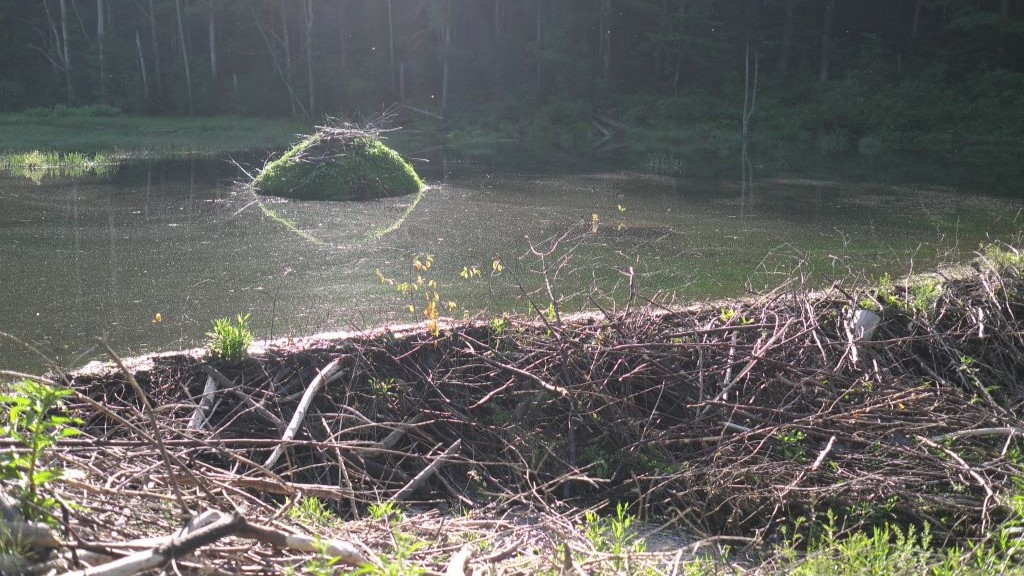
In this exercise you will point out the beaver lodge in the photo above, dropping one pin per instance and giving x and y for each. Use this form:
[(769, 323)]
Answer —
[(725, 423), (339, 163)]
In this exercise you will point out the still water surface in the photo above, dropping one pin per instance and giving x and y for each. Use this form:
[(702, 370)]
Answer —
[(88, 256)]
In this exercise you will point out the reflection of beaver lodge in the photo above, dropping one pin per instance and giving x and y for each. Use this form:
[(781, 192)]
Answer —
[(339, 163)]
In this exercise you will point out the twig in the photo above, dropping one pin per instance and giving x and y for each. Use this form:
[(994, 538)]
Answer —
[(157, 434), (427, 472), (300, 411)]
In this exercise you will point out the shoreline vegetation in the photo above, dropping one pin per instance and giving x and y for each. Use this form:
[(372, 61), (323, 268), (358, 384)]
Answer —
[(107, 132), (774, 435)]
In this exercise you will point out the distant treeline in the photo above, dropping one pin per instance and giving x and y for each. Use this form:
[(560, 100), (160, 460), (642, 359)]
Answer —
[(307, 57)]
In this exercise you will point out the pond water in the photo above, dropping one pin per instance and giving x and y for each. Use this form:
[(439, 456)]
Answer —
[(92, 255)]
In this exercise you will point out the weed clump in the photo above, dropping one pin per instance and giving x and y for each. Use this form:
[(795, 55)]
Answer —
[(339, 163), (230, 341)]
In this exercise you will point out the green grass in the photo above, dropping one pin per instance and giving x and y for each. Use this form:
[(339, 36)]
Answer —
[(312, 513), (37, 166), (126, 137), (890, 550)]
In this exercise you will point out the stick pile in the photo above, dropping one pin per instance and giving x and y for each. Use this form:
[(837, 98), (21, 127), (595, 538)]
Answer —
[(727, 421)]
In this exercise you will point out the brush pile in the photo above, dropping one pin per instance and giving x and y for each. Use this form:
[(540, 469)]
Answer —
[(730, 420)]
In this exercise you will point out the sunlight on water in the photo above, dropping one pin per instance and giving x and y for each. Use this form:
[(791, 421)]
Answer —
[(179, 241)]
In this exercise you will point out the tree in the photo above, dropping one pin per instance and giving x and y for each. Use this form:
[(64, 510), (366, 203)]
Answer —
[(101, 36), (789, 23), (65, 51), (826, 39), (185, 56)]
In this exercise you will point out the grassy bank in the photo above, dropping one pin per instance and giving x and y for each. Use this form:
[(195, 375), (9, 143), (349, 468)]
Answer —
[(762, 436), (106, 131)]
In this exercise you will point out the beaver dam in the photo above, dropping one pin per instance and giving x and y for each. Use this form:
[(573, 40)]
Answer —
[(479, 449)]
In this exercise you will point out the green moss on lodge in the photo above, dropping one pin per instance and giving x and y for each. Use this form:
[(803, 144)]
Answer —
[(333, 167)]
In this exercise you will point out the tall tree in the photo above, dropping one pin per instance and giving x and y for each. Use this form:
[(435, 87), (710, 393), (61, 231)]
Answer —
[(308, 10), (605, 46), (185, 58), (101, 36), (391, 45), (155, 41), (447, 49), (789, 23), (65, 51), (826, 39), (142, 65), (212, 25)]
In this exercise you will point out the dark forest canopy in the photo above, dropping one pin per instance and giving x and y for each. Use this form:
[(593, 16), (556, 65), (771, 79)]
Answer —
[(886, 68), (314, 56)]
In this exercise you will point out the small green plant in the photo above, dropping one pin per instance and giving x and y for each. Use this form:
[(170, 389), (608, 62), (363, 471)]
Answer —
[(399, 562), (385, 512), (311, 512), (35, 421), (921, 296), (726, 315), (924, 295), (499, 324), (230, 341), (613, 535), (383, 388), (431, 302), (1002, 258), (793, 447)]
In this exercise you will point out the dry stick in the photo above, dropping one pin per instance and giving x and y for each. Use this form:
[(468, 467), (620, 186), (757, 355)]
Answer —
[(157, 434), (821, 457), (210, 527), (344, 482), (427, 472), (300, 411), (549, 387), (229, 386), (24, 376), (198, 421), (1009, 431), (755, 356), (989, 494)]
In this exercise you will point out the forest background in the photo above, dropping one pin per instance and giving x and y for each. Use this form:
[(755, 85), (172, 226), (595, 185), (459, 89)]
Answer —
[(868, 77)]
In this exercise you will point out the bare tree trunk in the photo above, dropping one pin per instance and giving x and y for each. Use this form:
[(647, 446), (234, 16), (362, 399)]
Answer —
[(749, 96), (787, 35), (213, 41), (142, 64), (605, 49), (101, 33), (309, 57), (52, 49), (184, 54), (447, 49), (749, 105), (826, 39), (342, 41), (156, 50), (540, 39), (499, 8), (293, 99), (1006, 11), (391, 45), (286, 41), (65, 53), (915, 26)]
